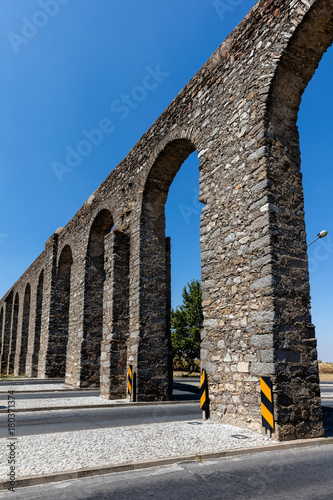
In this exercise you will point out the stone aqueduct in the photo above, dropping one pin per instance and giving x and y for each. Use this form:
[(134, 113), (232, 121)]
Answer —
[(98, 297)]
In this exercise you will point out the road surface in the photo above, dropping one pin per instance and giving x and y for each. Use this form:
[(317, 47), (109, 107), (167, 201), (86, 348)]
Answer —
[(298, 474), (43, 422)]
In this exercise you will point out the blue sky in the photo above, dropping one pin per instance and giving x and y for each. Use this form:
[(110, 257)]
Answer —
[(71, 73)]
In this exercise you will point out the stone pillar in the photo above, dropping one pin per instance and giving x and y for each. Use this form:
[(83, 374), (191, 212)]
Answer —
[(76, 314), (2, 314), (292, 339), (32, 333), (150, 338), (48, 305), (116, 317), (7, 326), (38, 326), (23, 333), (168, 312)]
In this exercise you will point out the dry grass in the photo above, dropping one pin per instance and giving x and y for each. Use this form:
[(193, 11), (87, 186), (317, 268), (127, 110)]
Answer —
[(325, 372), (326, 377), (325, 367), (184, 374)]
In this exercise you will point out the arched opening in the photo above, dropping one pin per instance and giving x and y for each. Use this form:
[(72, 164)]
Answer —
[(12, 348), (93, 300), (315, 130), (58, 336), (154, 353), (183, 211), (6, 331), (1, 321), (1, 330), (25, 330), (38, 325)]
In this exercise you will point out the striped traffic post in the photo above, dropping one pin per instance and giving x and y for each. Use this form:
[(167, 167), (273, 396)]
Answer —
[(130, 382), (267, 404), (204, 395)]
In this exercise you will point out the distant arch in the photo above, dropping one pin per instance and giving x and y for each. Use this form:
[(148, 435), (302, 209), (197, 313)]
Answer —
[(13, 340), (6, 331), (58, 337), (24, 330), (38, 324), (93, 299), (1, 320), (2, 329)]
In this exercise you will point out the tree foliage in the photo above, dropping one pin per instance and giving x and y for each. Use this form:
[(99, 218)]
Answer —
[(186, 325)]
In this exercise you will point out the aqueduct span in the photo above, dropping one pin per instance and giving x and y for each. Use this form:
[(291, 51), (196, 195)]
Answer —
[(98, 297)]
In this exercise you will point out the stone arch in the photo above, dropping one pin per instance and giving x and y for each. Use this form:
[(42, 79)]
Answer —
[(38, 324), (2, 329), (24, 330), (6, 331), (300, 59), (93, 299), (1, 320), (58, 336), (154, 358), (12, 347), (296, 369)]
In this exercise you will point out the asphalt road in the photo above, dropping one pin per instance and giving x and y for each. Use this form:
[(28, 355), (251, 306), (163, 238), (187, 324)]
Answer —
[(300, 474), (28, 382), (326, 391), (183, 390), (47, 395), (33, 423)]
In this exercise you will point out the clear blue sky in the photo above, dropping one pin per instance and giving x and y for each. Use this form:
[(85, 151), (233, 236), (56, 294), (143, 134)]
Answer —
[(70, 72)]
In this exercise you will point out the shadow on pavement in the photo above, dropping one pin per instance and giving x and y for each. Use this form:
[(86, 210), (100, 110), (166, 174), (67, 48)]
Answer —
[(328, 421)]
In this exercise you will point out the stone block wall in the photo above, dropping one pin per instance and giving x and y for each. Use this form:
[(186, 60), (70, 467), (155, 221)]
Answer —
[(239, 114)]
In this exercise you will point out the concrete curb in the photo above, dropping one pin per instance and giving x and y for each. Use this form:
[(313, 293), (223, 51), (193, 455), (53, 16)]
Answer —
[(111, 405), (110, 469)]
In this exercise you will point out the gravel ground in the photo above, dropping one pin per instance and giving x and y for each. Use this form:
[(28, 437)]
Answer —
[(49, 453)]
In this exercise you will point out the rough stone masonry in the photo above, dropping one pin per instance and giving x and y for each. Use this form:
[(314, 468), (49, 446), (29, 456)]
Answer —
[(98, 297)]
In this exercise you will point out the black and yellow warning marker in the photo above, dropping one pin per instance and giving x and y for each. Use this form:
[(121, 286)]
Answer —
[(267, 403), (204, 394), (130, 381)]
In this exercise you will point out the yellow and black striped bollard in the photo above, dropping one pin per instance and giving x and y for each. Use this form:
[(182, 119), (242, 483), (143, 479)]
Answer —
[(204, 395), (130, 382), (267, 404)]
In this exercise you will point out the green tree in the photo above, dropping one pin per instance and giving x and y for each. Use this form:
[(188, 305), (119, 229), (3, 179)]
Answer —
[(186, 325)]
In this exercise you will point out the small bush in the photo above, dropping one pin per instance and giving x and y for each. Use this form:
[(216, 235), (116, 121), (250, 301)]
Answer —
[(181, 365)]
